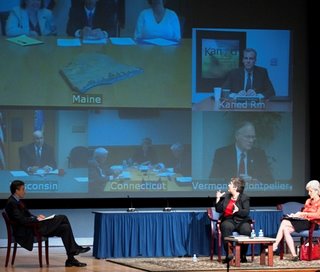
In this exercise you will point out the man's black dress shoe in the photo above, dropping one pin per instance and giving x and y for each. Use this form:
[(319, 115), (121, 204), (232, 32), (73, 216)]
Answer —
[(74, 262), (81, 249), (227, 259), (243, 260)]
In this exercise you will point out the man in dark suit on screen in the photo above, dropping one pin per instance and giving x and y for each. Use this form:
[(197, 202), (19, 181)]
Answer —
[(37, 156), (249, 80), (92, 19), (242, 159)]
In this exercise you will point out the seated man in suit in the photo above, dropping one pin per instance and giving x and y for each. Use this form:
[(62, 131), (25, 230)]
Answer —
[(37, 157), (249, 80), (92, 20), (145, 154), (242, 159), (99, 171), (181, 160), (58, 226)]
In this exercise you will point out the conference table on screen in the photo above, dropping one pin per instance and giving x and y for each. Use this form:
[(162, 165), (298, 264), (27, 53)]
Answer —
[(134, 179), (31, 75), (156, 233), (73, 180)]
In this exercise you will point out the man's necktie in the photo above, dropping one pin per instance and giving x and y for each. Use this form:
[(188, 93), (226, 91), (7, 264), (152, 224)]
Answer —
[(38, 155), (21, 204), (241, 164), (249, 82), (90, 15)]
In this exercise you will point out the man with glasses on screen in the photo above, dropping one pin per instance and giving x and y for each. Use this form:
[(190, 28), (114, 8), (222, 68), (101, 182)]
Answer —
[(249, 80), (242, 159)]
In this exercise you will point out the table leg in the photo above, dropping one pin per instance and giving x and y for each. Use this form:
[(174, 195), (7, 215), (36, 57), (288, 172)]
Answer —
[(237, 257), (262, 254), (270, 254)]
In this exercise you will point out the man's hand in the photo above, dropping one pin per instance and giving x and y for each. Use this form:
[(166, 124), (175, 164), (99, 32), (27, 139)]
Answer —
[(251, 92), (219, 194), (40, 217)]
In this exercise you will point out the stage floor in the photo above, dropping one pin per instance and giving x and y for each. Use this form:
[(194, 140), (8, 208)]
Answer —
[(28, 262)]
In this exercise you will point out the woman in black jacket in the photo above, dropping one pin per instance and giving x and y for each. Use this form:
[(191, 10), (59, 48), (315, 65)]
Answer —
[(234, 207)]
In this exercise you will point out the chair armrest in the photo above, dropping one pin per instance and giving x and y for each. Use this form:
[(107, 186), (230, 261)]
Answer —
[(210, 215)]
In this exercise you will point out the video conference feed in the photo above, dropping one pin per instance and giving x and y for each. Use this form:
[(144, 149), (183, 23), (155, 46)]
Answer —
[(217, 52), (98, 130), (148, 152), (62, 71), (98, 153), (268, 140)]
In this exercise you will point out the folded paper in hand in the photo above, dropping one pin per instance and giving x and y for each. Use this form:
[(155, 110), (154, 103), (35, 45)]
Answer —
[(93, 69), (48, 217)]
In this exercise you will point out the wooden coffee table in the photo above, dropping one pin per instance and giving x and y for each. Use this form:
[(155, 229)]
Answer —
[(235, 242)]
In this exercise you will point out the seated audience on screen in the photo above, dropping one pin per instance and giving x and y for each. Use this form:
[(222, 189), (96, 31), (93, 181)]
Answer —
[(5, 8), (32, 19), (234, 207), (99, 171), (145, 154), (37, 157), (181, 159), (91, 20), (289, 224), (249, 80), (242, 158), (58, 226), (157, 22)]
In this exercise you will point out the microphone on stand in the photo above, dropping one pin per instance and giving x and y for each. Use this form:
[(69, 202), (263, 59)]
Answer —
[(130, 209), (168, 208)]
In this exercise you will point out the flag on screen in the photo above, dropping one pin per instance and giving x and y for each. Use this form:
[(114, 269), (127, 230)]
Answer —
[(38, 120), (2, 155)]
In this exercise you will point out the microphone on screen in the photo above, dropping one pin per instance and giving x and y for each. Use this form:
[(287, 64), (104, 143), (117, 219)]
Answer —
[(130, 209)]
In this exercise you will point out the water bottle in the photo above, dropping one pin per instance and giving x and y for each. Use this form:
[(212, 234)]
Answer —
[(253, 234), (298, 250), (124, 165), (261, 233), (194, 258)]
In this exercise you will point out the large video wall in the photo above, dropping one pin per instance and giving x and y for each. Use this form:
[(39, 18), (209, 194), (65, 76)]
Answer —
[(109, 101)]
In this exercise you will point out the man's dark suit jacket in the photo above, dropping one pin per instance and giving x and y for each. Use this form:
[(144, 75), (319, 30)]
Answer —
[(139, 157), (20, 214), (261, 81), (224, 164), (97, 182), (104, 17), (28, 156)]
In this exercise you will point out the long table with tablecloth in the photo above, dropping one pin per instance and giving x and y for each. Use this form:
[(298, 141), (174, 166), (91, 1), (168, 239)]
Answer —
[(156, 233)]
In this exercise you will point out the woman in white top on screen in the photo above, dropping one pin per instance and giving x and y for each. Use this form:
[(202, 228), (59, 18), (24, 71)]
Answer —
[(30, 18), (158, 22)]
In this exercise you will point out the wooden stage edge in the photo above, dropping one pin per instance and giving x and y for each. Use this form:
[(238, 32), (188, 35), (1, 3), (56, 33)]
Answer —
[(27, 261)]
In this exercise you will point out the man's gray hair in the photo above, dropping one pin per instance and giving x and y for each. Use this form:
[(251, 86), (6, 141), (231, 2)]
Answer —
[(177, 146), (100, 151)]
